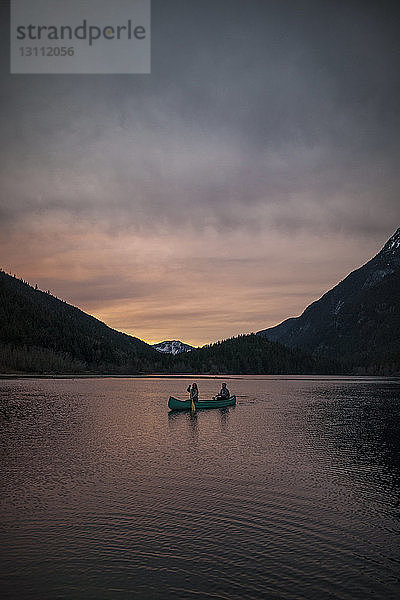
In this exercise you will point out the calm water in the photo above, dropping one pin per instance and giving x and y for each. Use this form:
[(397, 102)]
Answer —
[(292, 494)]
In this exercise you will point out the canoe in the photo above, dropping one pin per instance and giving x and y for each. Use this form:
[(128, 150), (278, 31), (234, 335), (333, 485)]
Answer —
[(175, 404)]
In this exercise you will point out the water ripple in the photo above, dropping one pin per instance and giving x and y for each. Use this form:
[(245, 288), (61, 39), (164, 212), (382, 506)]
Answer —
[(292, 495)]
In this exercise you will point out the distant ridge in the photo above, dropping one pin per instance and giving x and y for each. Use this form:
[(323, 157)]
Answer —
[(357, 321)]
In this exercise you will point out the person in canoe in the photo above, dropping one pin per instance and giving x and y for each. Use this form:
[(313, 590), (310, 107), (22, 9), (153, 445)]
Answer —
[(224, 393), (194, 392)]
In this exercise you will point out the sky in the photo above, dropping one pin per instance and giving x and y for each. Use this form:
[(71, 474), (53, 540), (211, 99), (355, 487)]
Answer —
[(251, 171)]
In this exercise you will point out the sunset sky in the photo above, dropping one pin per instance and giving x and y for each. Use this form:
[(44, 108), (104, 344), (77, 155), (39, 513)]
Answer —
[(253, 169)]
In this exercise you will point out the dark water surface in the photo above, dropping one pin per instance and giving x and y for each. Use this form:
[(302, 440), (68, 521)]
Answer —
[(292, 494)]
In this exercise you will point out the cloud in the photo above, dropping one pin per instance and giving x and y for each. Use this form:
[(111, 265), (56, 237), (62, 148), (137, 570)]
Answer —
[(283, 119), (260, 150)]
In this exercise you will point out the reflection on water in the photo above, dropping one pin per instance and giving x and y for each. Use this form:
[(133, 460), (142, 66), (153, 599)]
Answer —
[(292, 494), (360, 426), (192, 420), (192, 416)]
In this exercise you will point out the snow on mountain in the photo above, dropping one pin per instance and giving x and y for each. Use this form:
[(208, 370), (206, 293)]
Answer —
[(392, 246), (172, 347)]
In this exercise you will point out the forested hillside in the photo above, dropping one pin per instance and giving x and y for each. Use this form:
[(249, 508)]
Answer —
[(252, 354), (40, 333)]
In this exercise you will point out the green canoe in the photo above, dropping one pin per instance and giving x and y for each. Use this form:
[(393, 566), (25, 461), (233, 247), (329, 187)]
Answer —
[(175, 404)]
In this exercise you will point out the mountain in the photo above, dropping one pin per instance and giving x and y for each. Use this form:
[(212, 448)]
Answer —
[(357, 321), (353, 327), (172, 347), (251, 354), (40, 333)]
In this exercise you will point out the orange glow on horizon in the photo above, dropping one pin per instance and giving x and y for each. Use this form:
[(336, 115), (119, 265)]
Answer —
[(194, 287)]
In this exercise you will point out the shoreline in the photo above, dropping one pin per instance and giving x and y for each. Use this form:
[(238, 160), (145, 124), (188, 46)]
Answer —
[(275, 376)]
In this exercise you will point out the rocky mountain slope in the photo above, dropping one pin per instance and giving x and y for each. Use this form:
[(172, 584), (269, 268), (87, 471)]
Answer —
[(357, 321)]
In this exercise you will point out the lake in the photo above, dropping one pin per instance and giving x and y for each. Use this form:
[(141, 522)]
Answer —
[(292, 494)]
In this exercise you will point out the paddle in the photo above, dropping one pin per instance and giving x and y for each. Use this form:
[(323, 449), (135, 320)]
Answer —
[(193, 406)]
